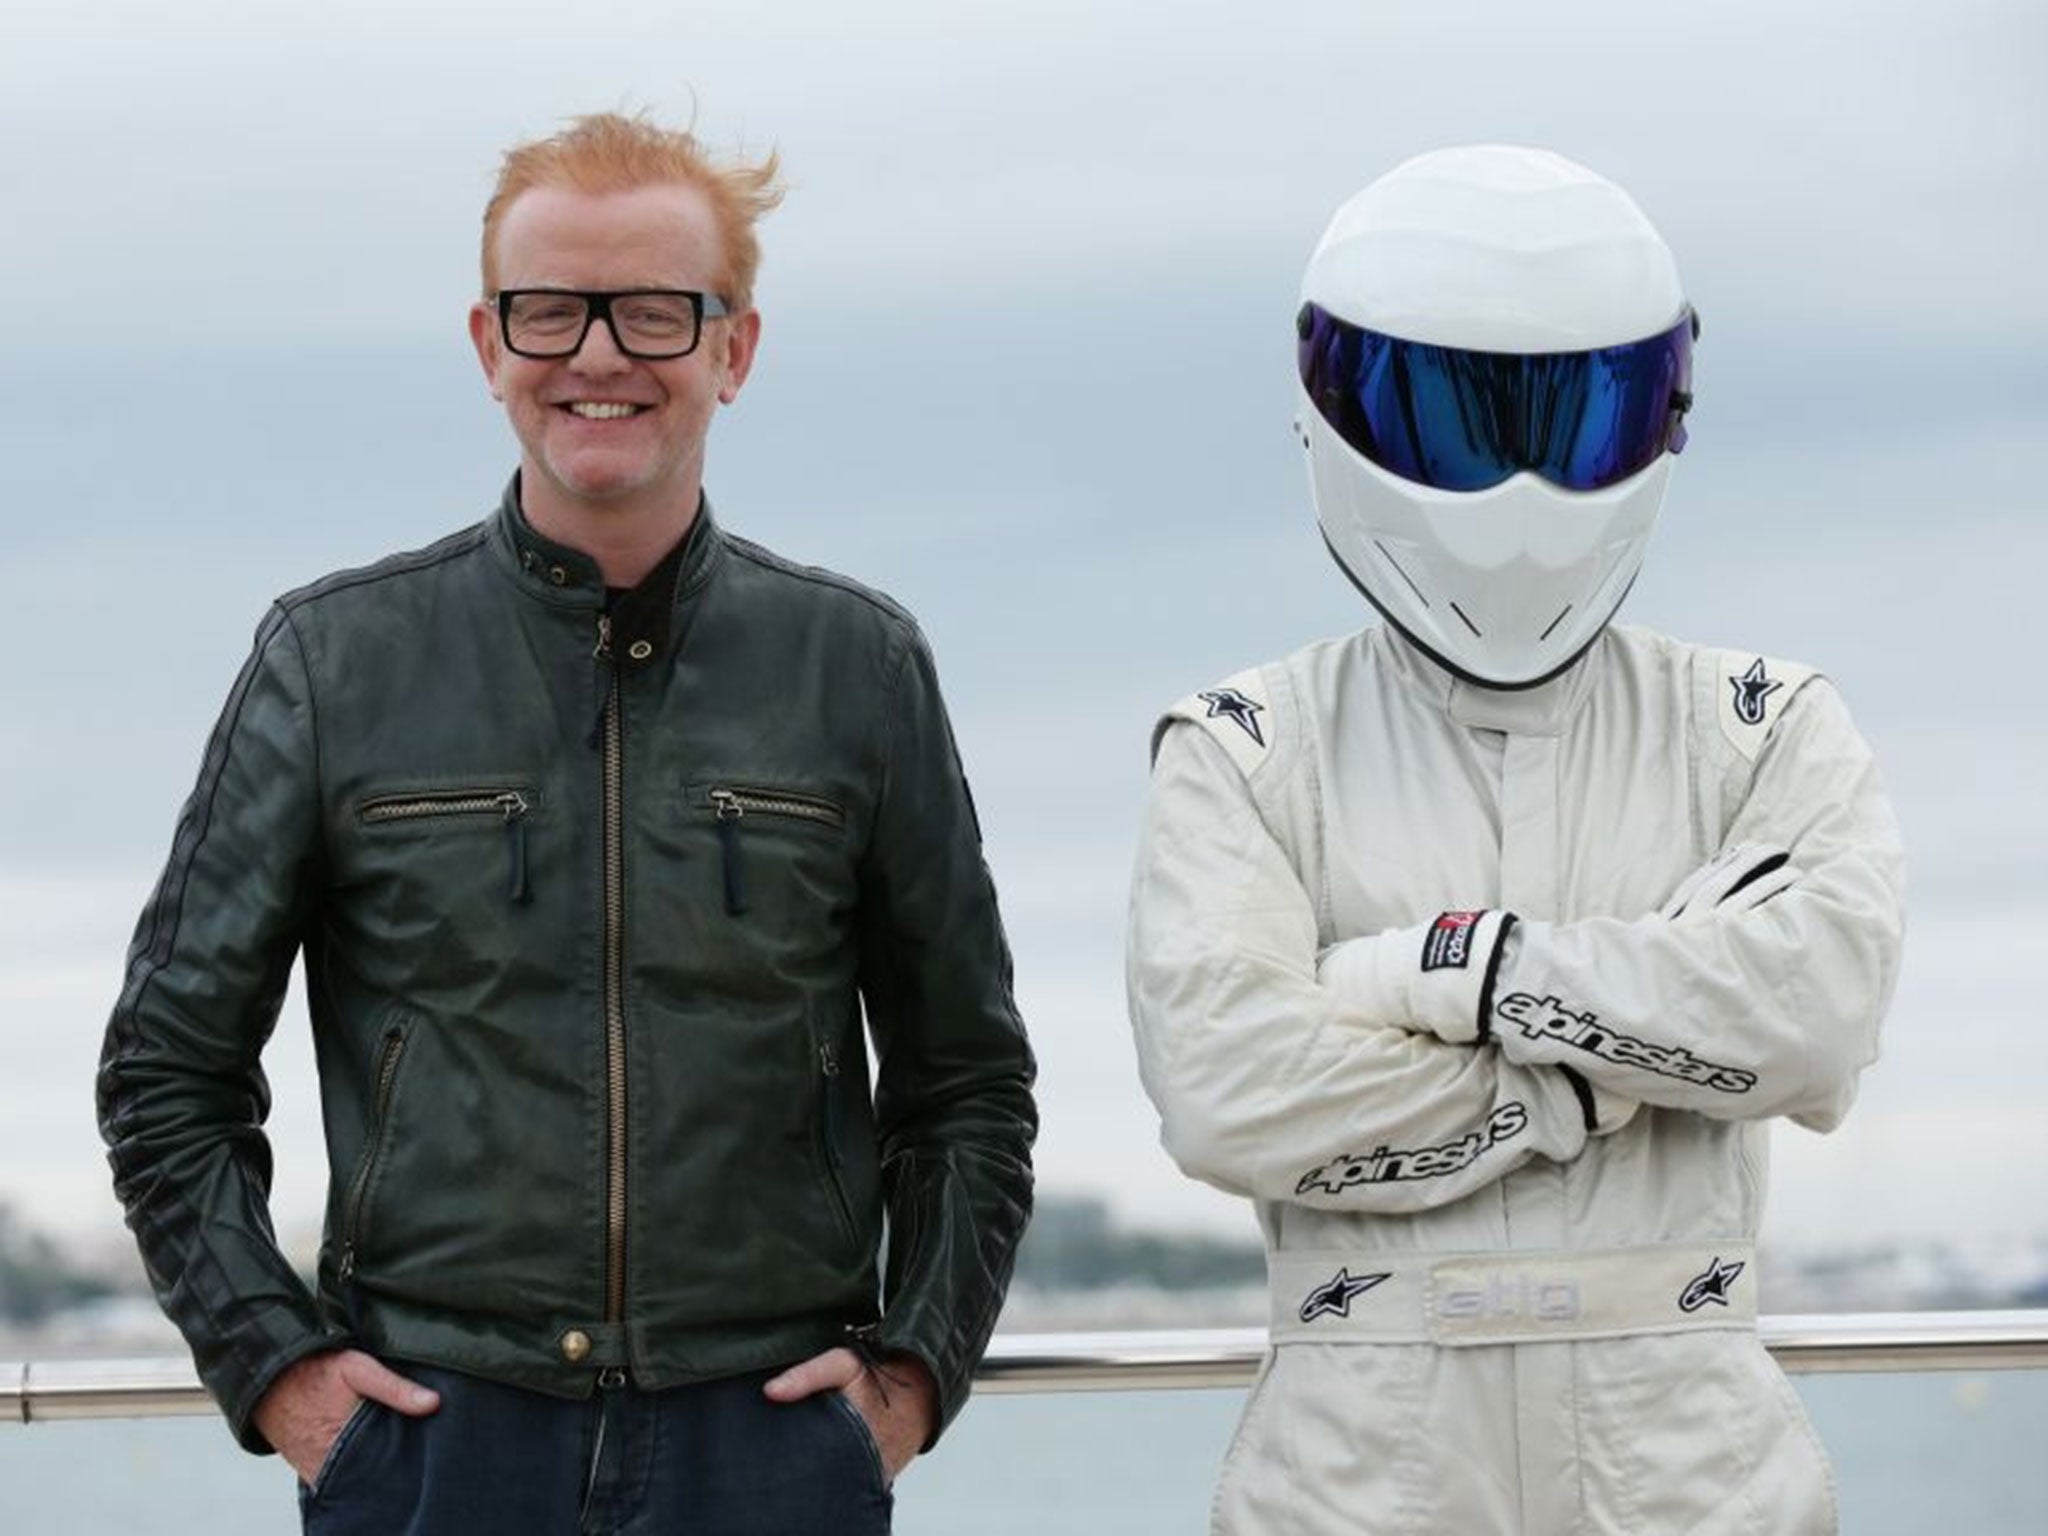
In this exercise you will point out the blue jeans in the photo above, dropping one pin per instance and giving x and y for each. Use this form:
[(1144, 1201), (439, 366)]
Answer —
[(713, 1459)]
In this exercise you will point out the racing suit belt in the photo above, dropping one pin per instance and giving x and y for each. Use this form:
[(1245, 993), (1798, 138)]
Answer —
[(1517, 1296)]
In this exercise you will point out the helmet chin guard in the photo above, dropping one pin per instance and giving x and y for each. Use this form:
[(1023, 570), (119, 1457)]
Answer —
[(1506, 307), (1503, 587)]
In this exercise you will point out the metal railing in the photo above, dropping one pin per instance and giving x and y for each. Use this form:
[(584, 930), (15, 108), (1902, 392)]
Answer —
[(33, 1392)]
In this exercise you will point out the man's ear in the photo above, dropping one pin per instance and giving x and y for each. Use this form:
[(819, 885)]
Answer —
[(742, 338), (483, 335)]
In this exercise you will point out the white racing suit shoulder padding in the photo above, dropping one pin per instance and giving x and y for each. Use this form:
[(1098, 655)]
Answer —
[(1513, 1281)]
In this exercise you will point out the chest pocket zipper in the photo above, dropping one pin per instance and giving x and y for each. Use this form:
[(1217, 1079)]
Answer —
[(389, 1054), (733, 804), (508, 804)]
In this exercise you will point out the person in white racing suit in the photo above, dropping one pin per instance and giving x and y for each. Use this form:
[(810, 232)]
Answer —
[(1479, 948)]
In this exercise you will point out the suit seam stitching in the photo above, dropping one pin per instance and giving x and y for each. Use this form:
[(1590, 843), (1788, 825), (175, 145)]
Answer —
[(890, 715), (455, 547), (161, 956), (768, 560), (313, 729)]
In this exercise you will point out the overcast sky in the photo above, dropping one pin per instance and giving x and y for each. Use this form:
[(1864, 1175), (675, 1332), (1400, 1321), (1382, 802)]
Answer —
[(1027, 366)]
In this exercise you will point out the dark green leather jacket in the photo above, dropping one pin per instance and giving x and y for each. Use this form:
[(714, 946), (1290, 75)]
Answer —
[(590, 907)]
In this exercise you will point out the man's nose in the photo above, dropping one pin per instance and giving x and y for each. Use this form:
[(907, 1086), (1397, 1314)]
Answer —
[(600, 351)]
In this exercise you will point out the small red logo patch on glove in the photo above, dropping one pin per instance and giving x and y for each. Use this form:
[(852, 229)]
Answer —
[(1448, 944)]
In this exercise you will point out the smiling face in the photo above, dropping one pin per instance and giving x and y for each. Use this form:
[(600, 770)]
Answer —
[(605, 438)]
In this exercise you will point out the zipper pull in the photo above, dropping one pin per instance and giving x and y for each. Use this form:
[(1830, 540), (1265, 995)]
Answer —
[(729, 813), (602, 655), (514, 806), (828, 1067), (348, 1264)]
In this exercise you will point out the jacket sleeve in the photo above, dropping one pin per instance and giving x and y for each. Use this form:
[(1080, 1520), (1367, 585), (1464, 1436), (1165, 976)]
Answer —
[(182, 1097), (1267, 1083), (1748, 1012), (953, 1074)]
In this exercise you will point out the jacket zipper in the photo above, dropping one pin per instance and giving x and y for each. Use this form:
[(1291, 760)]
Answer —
[(509, 804), (388, 1055), (828, 1066), (733, 802), (614, 981)]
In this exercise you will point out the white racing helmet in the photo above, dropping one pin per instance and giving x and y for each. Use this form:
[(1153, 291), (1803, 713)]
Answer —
[(1496, 361)]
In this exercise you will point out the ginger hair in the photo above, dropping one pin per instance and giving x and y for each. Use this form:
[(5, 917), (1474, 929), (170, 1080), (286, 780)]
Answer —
[(609, 152)]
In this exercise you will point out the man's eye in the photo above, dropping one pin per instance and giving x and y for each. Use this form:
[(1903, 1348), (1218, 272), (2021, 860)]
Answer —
[(553, 315), (655, 317)]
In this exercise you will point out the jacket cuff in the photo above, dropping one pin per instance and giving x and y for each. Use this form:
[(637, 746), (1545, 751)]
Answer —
[(239, 1397), (954, 1380), (866, 1341), (958, 1230)]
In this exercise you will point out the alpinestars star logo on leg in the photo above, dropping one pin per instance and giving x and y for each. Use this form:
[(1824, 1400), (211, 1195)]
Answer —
[(1549, 1018), (1334, 1296), (1233, 705), (1751, 689), (1711, 1286)]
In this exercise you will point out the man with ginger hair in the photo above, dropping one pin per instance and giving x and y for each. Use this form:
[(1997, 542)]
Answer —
[(602, 833)]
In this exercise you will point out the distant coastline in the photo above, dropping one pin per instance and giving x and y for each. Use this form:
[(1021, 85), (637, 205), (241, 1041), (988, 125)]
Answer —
[(1080, 1269)]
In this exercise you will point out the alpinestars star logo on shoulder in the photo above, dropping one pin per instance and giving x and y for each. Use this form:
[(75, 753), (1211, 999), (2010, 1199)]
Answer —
[(1232, 705), (1751, 689)]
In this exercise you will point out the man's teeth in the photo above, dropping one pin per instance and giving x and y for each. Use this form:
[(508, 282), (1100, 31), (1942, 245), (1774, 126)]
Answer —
[(602, 410)]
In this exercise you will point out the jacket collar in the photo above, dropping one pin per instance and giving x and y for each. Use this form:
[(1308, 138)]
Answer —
[(1544, 710), (564, 577)]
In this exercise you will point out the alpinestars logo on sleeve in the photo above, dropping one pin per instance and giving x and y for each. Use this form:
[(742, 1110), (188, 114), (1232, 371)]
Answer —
[(1234, 705), (1390, 1165), (1751, 689), (1334, 1296), (1547, 1018), (1711, 1286)]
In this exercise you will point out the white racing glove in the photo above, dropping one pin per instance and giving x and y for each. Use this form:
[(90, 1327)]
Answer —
[(1734, 880), (1436, 979)]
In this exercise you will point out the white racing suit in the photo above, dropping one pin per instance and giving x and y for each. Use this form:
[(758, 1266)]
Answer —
[(1510, 1171)]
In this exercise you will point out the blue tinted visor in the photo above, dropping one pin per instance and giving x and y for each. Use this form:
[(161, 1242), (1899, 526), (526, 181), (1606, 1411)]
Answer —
[(1459, 420)]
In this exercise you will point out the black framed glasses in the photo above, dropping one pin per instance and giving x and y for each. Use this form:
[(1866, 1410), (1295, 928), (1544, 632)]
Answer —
[(653, 324)]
